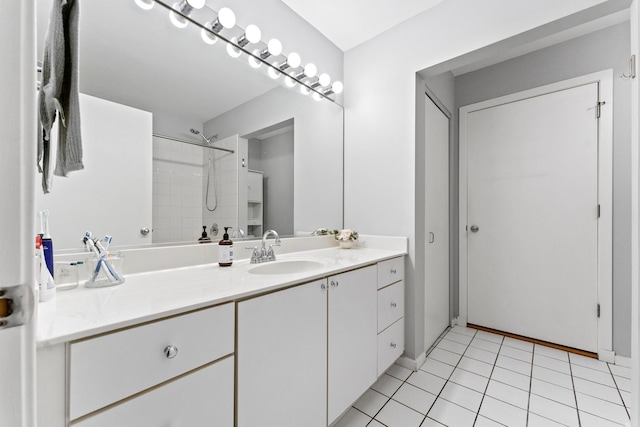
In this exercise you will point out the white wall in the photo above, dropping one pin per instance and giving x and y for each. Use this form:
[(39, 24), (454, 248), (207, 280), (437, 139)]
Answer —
[(380, 92), (604, 49)]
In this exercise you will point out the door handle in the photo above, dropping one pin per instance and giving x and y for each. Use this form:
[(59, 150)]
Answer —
[(432, 237), (474, 228)]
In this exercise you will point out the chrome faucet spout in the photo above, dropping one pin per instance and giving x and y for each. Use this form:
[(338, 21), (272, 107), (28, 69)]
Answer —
[(269, 255), (267, 234)]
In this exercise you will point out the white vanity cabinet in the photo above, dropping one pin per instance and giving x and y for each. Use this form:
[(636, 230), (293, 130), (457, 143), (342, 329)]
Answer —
[(390, 312)]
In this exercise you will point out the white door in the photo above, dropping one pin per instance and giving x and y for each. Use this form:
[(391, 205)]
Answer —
[(533, 217), (17, 175), (436, 221)]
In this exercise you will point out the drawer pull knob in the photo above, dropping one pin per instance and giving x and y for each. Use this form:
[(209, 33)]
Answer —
[(393, 305), (393, 345), (323, 287), (393, 271), (170, 351), (334, 283)]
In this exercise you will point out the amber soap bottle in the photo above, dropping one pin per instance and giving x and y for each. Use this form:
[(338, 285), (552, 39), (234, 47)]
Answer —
[(225, 250)]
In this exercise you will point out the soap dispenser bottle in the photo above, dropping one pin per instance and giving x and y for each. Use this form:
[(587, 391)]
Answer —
[(225, 250)]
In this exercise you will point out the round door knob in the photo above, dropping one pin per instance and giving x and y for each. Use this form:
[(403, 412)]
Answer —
[(144, 231), (170, 351), (474, 228)]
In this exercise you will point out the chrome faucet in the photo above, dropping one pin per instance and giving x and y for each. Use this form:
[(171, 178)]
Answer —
[(264, 254), (238, 233)]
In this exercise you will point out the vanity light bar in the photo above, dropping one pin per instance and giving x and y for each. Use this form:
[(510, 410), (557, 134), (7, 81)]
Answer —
[(321, 86)]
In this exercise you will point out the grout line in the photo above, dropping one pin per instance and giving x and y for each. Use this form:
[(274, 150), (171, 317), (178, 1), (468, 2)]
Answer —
[(619, 394), (575, 396), (488, 382), (533, 352)]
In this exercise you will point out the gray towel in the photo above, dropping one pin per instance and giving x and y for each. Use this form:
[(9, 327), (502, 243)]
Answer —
[(59, 92)]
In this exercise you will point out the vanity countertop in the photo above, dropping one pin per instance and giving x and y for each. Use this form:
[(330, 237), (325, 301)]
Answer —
[(82, 312)]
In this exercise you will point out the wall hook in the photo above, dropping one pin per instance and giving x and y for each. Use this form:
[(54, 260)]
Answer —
[(632, 69)]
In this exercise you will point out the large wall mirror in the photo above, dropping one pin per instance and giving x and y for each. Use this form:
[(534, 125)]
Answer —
[(178, 135)]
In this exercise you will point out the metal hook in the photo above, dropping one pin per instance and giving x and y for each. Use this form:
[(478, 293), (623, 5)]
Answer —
[(632, 69)]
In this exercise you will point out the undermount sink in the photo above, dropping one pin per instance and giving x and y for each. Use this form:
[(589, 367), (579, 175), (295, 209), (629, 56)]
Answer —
[(286, 266)]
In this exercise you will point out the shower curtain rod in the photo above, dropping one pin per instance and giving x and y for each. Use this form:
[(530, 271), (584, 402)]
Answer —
[(192, 143)]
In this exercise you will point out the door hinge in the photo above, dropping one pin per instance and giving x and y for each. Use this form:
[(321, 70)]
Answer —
[(598, 211), (598, 108), (598, 310)]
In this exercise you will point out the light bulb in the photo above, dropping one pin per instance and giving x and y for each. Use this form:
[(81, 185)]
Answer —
[(177, 20), (255, 63), (310, 70), (227, 18), (233, 51), (337, 87), (317, 96), (207, 37), (145, 4), (289, 81), (253, 33), (274, 74), (304, 90), (294, 60), (185, 7), (324, 79), (274, 47)]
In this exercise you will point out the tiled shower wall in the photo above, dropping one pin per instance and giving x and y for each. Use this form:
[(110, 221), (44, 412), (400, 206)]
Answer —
[(226, 187), (177, 191)]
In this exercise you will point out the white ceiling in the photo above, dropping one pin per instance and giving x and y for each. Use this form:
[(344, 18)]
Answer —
[(348, 23)]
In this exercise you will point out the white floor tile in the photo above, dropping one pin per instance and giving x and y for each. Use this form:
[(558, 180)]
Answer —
[(371, 402), (387, 385), (553, 410), (481, 355), (593, 375), (452, 346), (553, 377), (512, 378), (459, 338), (415, 398), (554, 392), (551, 363), (508, 394), (437, 368), (536, 420), (602, 408), (620, 371), (516, 353), (485, 345), (623, 383), (375, 423), (590, 420), (626, 398), (464, 330), (503, 413), (461, 396), (395, 414), (514, 365), (353, 418), (475, 366), (445, 356), (427, 382), (551, 352), (519, 344), (486, 422), (470, 380), (488, 336), (451, 414), (588, 362), (600, 391), (399, 372), (428, 422)]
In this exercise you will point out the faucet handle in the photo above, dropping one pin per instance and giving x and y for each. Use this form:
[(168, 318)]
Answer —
[(255, 255), (277, 241), (271, 256)]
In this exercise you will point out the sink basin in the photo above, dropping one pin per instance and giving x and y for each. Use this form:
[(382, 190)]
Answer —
[(286, 266)]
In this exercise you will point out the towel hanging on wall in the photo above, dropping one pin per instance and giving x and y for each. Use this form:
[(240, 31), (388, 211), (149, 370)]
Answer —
[(59, 93)]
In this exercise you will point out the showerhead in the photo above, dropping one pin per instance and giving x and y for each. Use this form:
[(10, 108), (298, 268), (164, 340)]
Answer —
[(197, 132)]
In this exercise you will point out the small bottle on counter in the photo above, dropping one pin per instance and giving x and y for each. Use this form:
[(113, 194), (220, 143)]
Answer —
[(225, 250)]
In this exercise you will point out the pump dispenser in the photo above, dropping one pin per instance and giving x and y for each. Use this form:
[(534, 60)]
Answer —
[(204, 238), (225, 250)]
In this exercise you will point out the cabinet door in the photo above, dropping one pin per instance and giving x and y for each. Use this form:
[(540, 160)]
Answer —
[(255, 187), (281, 353), (353, 338)]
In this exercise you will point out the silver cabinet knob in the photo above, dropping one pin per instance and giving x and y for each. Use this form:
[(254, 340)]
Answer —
[(393, 345), (474, 228), (323, 287), (170, 351), (144, 231), (393, 271), (334, 283), (393, 305)]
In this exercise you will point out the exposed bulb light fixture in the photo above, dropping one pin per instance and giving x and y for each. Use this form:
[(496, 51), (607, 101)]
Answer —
[(206, 36), (253, 61), (289, 81), (232, 50), (274, 47), (251, 35), (226, 19), (324, 79), (317, 96), (273, 73), (292, 61), (185, 7), (337, 87), (304, 90), (145, 4)]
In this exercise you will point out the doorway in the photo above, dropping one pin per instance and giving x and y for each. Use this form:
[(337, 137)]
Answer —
[(535, 173)]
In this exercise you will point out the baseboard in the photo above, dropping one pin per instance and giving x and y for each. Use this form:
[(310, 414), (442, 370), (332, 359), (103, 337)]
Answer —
[(623, 361), (412, 364), (606, 356)]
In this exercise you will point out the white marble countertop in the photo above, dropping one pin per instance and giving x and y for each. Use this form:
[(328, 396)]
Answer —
[(82, 312)]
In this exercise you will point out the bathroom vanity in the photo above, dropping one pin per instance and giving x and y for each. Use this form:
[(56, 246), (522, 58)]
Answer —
[(290, 345)]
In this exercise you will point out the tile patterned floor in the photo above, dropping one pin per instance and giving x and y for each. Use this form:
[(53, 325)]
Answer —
[(475, 378)]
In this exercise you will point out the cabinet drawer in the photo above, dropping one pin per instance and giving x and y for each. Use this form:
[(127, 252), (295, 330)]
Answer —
[(390, 305), (204, 397), (390, 345), (390, 271), (111, 367)]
